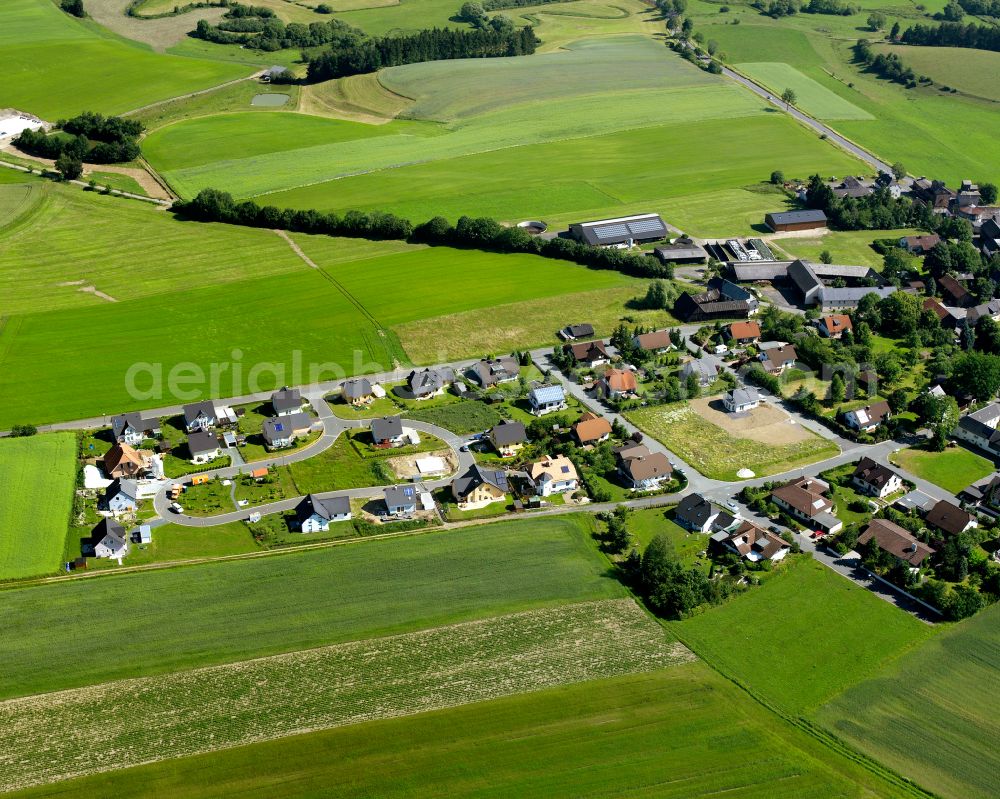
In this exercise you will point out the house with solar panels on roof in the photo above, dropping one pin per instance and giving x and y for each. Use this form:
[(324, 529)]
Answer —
[(623, 232), (546, 399)]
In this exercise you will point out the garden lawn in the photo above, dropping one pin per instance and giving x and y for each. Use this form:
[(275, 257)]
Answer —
[(38, 478), (929, 714), (846, 246), (592, 739), (714, 452), (953, 469), (646, 524), (803, 637), (220, 612), (56, 66)]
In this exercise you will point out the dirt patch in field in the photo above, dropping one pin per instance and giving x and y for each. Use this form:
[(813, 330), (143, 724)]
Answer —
[(405, 466), (765, 423), (157, 33), (97, 293)]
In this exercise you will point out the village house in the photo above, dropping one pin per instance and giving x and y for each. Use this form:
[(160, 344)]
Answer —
[(742, 333), (387, 432), (726, 301), (281, 431), (989, 237), (546, 399), (591, 429), (696, 513), (479, 487), (124, 461), (641, 469), (777, 359), (400, 500), (574, 332), (107, 540), (741, 400), (200, 416), (920, 245), (357, 392), (985, 493), (874, 479), (933, 193), (508, 438), (314, 515), (979, 428), (589, 353), (657, 341), (203, 446), (949, 518), (491, 373), (954, 293), (286, 401), (868, 418), (133, 429), (122, 496), (705, 372), (891, 538), (752, 543), (834, 325), (553, 476), (852, 187), (430, 382), (617, 384), (802, 499)]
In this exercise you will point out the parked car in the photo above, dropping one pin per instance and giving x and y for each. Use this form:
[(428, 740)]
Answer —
[(176, 508)]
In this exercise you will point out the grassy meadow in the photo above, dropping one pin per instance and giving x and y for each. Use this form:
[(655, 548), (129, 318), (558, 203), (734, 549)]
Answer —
[(930, 714), (57, 66), (214, 613), (972, 72), (953, 469), (717, 454), (38, 475), (663, 733), (803, 637), (811, 97)]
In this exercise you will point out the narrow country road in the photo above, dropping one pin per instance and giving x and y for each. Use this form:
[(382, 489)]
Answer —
[(805, 119), (85, 185)]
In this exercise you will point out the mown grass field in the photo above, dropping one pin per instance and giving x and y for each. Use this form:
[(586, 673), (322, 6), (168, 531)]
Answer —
[(803, 637), (214, 613), (677, 732), (846, 246), (57, 66), (38, 475), (717, 454), (811, 97), (235, 704), (930, 714), (971, 71), (953, 469)]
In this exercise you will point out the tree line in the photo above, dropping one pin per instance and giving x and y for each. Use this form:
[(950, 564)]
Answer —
[(786, 8), (889, 66), (437, 44), (88, 137), (954, 34), (259, 29), (481, 233), (981, 8)]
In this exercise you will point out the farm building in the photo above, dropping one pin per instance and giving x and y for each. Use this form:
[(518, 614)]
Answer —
[(623, 231), (722, 300), (954, 293), (809, 219), (682, 251), (314, 515)]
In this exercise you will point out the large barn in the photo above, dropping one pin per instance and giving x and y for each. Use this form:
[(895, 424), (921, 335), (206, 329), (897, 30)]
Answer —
[(795, 220), (625, 230)]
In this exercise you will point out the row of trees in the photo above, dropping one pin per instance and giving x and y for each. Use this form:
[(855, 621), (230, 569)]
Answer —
[(954, 34), (87, 137), (889, 66), (483, 233), (876, 211), (437, 44), (981, 8), (259, 29)]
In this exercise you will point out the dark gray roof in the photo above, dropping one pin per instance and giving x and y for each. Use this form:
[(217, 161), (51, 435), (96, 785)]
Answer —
[(621, 229), (430, 380), (120, 486), (400, 495), (358, 387), (287, 399), (797, 217), (743, 396), (681, 250), (135, 421), (202, 441), (107, 527), (195, 409), (508, 432), (280, 427), (324, 508), (489, 373), (387, 428), (873, 473), (582, 330), (695, 510), (476, 476)]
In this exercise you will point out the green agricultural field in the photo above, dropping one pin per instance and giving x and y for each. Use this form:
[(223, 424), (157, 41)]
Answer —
[(663, 733), (970, 71), (930, 714), (87, 68), (823, 635), (214, 613), (846, 246), (189, 712), (811, 97), (953, 469), (17, 198), (38, 475), (717, 454)]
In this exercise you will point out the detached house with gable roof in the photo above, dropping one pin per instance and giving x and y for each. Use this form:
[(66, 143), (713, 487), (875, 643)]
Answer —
[(642, 469), (200, 416), (400, 499), (980, 428), (743, 332), (868, 419), (741, 400), (589, 353), (949, 518), (122, 496), (777, 359), (834, 325), (479, 487), (387, 432), (753, 543), (357, 392), (803, 499), (875, 480), (492, 373), (696, 513), (133, 429), (286, 402), (315, 515), (508, 438), (553, 476), (617, 383), (124, 461), (546, 399), (430, 382), (895, 540), (282, 431), (107, 540), (591, 429)]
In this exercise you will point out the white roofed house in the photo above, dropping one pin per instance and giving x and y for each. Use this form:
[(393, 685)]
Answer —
[(553, 476), (282, 431), (314, 515), (546, 399)]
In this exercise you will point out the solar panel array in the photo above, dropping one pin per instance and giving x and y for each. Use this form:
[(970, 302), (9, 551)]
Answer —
[(611, 231), (645, 226)]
